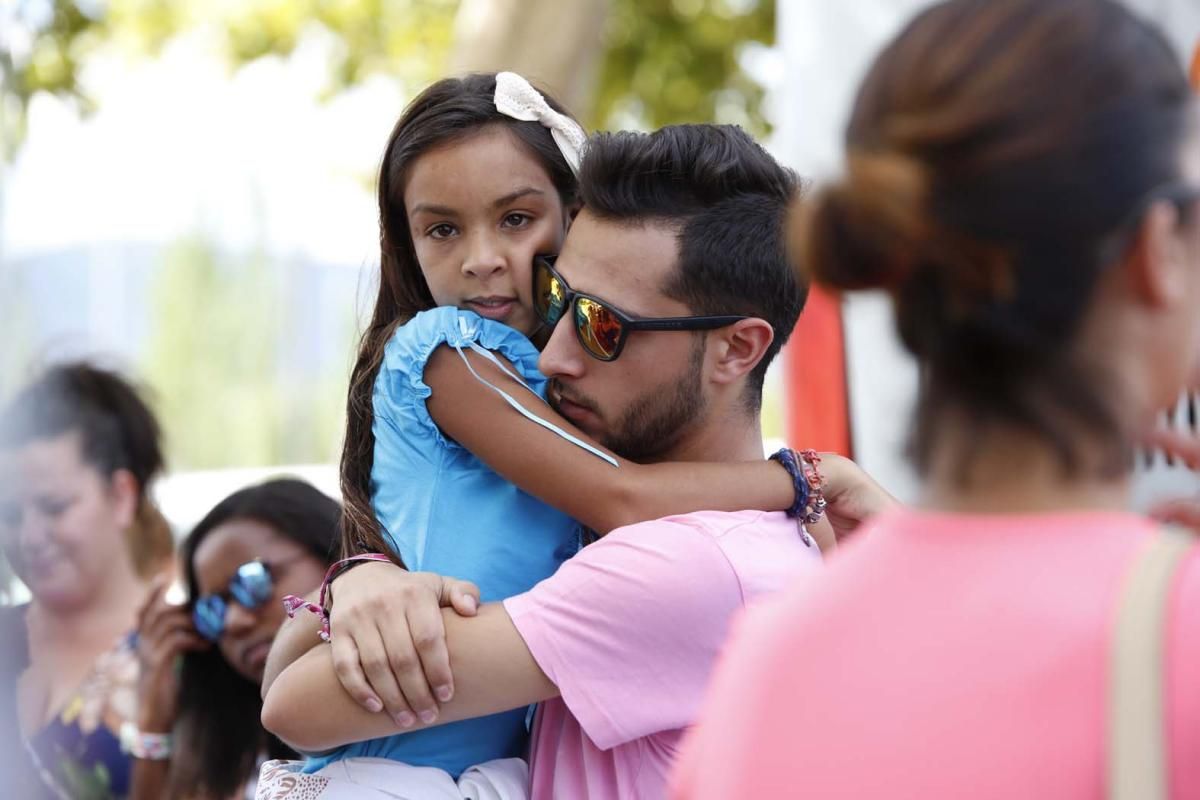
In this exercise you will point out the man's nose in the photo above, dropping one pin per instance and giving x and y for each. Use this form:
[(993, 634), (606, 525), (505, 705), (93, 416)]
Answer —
[(562, 355)]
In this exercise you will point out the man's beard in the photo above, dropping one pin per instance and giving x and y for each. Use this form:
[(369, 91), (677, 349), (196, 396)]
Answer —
[(657, 419)]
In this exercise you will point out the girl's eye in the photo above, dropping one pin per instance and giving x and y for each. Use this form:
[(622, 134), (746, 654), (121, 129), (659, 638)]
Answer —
[(517, 220), (442, 230)]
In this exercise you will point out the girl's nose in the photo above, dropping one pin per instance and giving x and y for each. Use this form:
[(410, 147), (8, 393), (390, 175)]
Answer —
[(484, 260)]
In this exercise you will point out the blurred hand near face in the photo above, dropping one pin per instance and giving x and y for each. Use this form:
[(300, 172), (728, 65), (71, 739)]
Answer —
[(165, 633)]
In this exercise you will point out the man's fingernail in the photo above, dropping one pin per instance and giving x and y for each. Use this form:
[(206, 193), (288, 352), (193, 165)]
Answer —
[(428, 716), (405, 719), (444, 693), (470, 602), (374, 706)]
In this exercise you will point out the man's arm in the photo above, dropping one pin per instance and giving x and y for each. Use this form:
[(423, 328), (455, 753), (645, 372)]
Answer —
[(494, 671)]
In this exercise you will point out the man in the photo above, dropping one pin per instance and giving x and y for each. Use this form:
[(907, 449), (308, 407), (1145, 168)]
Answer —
[(618, 645)]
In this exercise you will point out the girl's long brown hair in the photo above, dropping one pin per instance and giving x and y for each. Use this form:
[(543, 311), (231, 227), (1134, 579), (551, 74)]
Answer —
[(448, 110)]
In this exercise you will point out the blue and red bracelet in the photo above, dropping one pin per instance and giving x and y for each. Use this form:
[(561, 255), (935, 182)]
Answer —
[(810, 503)]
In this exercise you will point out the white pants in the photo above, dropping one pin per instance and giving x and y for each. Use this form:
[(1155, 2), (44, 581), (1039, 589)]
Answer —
[(383, 779)]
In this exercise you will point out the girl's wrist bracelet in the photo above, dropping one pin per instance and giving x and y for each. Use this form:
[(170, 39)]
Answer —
[(292, 603)]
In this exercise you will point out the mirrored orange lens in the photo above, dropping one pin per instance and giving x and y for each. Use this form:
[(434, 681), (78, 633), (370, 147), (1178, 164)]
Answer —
[(599, 328), (549, 295)]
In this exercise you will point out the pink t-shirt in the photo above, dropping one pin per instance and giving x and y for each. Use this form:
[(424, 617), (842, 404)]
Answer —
[(629, 630), (944, 655)]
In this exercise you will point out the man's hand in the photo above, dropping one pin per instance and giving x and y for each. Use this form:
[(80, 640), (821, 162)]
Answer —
[(852, 495), (1184, 511), (388, 639)]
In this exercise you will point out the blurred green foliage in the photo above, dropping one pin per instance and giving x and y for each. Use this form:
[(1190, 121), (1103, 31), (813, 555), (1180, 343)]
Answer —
[(665, 60), (226, 395), (670, 61)]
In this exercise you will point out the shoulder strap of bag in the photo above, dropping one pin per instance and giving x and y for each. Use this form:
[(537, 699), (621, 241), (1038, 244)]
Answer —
[(1137, 759)]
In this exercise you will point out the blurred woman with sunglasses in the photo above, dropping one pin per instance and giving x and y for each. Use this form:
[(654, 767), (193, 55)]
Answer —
[(198, 723), (79, 450)]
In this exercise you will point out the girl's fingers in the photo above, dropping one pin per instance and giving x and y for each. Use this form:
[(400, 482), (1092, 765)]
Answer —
[(434, 681), (408, 675), (348, 664), (462, 595)]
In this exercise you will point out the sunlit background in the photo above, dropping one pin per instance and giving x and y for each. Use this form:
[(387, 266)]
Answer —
[(186, 187)]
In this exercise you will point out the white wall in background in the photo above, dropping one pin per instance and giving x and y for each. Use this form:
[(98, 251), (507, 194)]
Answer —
[(826, 49)]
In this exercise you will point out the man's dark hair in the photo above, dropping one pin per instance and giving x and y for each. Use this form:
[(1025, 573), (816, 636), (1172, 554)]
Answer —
[(728, 199)]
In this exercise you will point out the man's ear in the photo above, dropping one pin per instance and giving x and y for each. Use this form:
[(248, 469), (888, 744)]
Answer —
[(738, 349), (571, 211), (1155, 268)]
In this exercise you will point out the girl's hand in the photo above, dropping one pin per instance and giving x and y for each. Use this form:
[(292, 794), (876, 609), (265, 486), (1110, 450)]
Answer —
[(852, 495), (165, 633), (389, 643)]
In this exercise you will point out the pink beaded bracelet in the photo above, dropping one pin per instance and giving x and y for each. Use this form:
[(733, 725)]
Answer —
[(292, 603)]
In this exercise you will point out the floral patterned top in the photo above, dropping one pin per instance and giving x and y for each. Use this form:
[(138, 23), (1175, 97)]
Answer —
[(78, 754)]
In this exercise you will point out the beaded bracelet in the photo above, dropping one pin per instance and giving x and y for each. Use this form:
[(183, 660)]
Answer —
[(292, 603), (810, 503), (816, 485), (142, 745)]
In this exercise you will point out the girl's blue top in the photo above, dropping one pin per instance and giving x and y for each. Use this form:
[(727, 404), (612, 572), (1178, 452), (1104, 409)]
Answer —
[(445, 511)]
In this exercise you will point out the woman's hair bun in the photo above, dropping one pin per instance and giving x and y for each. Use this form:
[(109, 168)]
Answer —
[(876, 229), (867, 230)]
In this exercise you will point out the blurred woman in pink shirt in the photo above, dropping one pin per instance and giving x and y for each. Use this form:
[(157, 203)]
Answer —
[(1023, 177)]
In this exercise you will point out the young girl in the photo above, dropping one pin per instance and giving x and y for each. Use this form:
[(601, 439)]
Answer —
[(477, 179)]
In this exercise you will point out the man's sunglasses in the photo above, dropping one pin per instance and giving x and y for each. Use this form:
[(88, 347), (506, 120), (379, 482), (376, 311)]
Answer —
[(600, 326), (251, 586)]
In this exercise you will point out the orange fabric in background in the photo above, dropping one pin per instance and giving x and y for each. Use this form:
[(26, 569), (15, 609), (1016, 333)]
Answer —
[(1196, 67), (815, 363)]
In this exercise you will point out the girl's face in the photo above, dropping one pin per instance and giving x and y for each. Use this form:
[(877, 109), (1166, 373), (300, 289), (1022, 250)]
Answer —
[(63, 523), (249, 632), (479, 210)]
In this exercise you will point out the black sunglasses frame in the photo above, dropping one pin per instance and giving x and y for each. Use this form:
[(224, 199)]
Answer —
[(628, 322)]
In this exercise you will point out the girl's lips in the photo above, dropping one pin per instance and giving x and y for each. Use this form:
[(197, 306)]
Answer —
[(492, 308)]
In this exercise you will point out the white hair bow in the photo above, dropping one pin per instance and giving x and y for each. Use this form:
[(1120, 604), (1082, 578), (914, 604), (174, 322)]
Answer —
[(516, 98)]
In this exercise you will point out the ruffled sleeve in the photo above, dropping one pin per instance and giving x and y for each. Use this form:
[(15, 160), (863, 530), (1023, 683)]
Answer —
[(400, 389)]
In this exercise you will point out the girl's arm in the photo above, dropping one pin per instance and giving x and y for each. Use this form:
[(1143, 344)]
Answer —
[(568, 477), (496, 673)]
